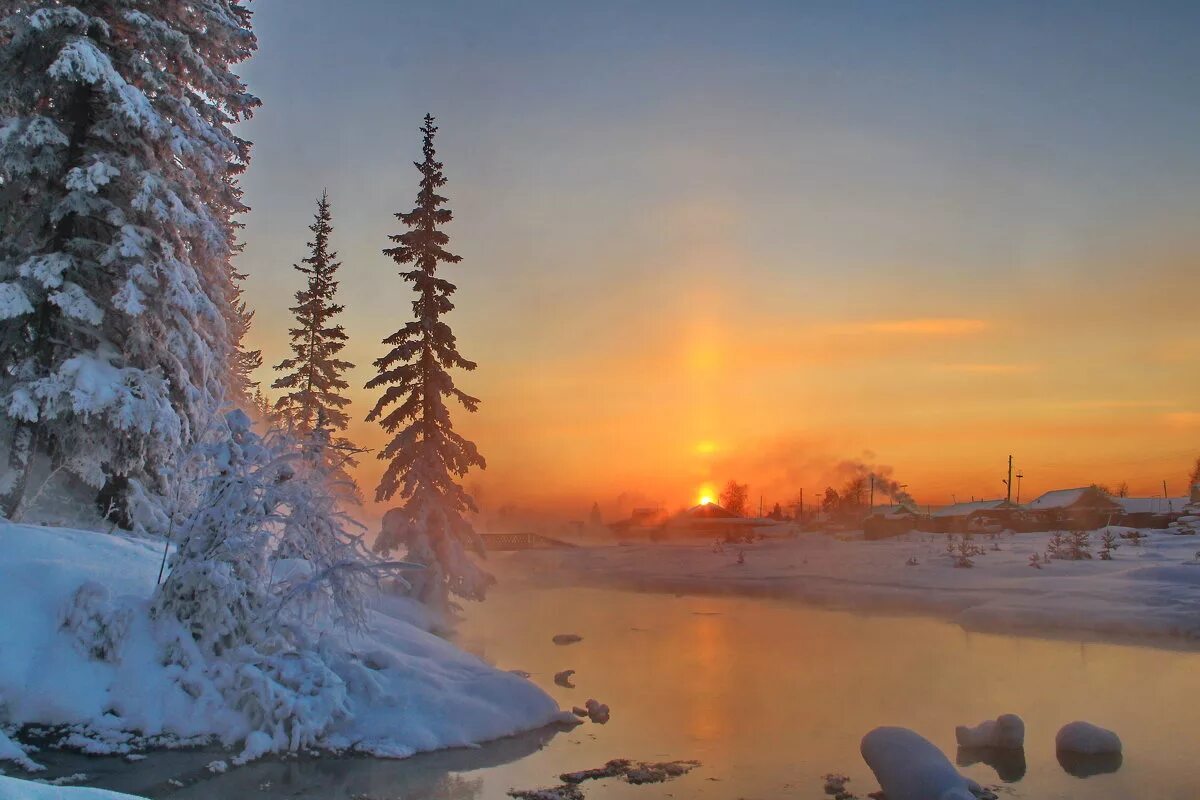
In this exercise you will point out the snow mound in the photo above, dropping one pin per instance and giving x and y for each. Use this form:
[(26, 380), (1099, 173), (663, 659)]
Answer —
[(910, 767), (1087, 739), (81, 652), (14, 789), (1006, 731)]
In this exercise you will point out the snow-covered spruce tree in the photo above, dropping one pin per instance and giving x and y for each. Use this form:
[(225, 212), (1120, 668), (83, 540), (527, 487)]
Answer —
[(425, 456), (312, 383), (120, 311)]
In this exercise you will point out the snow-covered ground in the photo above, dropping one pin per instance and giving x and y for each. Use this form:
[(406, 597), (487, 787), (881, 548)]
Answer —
[(101, 680), (16, 789), (1151, 590)]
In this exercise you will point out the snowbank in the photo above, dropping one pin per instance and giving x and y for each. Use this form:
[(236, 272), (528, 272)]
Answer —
[(1087, 739), (1147, 590), (1006, 731), (79, 649), (14, 789), (910, 767)]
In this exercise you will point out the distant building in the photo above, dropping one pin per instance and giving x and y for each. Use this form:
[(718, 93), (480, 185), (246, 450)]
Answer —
[(980, 516), (711, 521), (640, 523), (886, 521), (1085, 508), (1150, 512)]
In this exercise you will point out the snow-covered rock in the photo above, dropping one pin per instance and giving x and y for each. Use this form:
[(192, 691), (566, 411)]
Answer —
[(1087, 739), (910, 767), (1006, 731)]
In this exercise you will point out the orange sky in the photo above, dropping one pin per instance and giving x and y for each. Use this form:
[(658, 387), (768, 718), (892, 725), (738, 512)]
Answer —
[(762, 248)]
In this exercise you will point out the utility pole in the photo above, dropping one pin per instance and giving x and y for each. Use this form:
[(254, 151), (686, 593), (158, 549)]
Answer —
[(1008, 483), (801, 505), (1019, 476), (871, 505)]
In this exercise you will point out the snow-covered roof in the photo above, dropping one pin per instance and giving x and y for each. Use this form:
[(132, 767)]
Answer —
[(1152, 505), (1065, 498), (898, 511), (966, 509)]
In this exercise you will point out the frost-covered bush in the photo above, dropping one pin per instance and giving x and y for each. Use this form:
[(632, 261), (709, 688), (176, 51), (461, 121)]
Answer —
[(1108, 545), (98, 629), (263, 566)]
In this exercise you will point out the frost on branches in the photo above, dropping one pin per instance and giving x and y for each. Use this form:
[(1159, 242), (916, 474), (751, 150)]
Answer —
[(264, 565), (425, 456), (120, 312), (312, 382)]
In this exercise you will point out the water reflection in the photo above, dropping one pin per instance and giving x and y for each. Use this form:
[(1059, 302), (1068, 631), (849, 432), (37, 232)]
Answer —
[(768, 696), (430, 776), (1086, 766)]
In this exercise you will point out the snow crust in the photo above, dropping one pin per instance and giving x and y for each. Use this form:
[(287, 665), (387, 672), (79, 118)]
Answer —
[(1148, 590), (79, 649)]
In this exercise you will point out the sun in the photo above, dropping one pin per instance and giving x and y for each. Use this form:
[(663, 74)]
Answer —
[(706, 500)]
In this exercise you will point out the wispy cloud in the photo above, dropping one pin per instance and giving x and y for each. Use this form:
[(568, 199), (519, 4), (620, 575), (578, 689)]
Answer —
[(989, 369), (919, 326)]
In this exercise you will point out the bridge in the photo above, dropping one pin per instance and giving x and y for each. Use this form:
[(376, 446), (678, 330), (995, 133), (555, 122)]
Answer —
[(520, 541)]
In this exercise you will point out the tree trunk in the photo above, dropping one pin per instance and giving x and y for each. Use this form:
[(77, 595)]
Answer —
[(113, 501), (20, 464)]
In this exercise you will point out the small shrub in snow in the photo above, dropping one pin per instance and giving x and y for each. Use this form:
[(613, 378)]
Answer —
[(964, 551), (1080, 546), (1134, 537), (1035, 561), (1108, 545), (1057, 546)]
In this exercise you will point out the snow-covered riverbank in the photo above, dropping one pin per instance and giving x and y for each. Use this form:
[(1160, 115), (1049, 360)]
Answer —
[(1150, 590), (97, 681)]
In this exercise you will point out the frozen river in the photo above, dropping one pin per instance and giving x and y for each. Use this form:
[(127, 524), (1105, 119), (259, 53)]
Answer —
[(767, 695)]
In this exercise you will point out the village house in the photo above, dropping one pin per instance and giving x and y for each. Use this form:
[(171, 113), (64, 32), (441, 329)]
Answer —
[(1085, 508), (980, 516), (887, 521), (1150, 512)]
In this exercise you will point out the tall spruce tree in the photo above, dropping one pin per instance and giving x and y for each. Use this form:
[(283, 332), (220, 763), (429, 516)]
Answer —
[(120, 311), (425, 456), (313, 382)]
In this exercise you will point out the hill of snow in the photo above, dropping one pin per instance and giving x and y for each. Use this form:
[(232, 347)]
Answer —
[(81, 656)]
